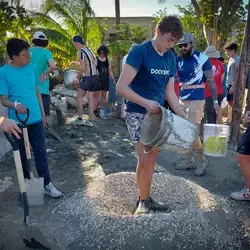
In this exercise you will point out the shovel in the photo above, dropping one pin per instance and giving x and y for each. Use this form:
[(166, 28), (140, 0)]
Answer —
[(34, 186), (30, 234)]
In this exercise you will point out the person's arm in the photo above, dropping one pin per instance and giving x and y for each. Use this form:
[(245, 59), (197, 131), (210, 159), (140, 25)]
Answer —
[(20, 108), (222, 77), (82, 66), (172, 99), (39, 97), (111, 74), (122, 88), (212, 86), (51, 68), (10, 126)]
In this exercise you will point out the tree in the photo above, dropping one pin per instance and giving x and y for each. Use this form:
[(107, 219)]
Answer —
[(14, 21), (61, 20), (241, 83), (218, 18), (127, 34)]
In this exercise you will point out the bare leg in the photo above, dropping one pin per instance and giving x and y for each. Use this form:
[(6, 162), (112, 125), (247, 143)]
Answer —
[(96, 99), (145, 170), (103, 97), (123, 108), (230, 111), (244, 161), (91, 105), (79, 101)]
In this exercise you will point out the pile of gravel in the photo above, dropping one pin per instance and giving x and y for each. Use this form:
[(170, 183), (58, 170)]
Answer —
[(101, 217)]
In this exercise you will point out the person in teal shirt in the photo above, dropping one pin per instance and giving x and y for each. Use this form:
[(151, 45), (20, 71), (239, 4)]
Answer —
[(43, 59), (19, 91)]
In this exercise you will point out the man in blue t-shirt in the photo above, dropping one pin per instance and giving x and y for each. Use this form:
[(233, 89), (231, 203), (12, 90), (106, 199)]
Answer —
[(149, 70), (19, 91), (194, 69)]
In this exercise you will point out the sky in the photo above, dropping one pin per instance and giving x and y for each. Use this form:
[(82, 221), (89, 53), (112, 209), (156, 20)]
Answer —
[(128, 7)]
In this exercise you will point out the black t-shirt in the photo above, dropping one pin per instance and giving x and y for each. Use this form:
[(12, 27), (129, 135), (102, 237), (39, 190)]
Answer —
[(103, 69)]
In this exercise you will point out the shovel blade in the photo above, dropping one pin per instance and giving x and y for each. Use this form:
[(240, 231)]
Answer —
[(32, 237)]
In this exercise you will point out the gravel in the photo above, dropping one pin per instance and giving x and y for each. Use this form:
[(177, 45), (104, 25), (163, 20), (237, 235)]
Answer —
[(100, 217)]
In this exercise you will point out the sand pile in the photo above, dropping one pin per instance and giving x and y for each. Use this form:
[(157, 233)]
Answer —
[(101, 217)]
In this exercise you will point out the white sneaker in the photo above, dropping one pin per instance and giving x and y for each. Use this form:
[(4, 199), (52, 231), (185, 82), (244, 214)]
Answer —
[(243, 195), (52, 191)]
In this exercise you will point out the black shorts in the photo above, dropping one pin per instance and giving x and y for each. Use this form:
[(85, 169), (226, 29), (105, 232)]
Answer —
[(244, 144), (90, 83), (229, 96), (104, 80), (46, 104)]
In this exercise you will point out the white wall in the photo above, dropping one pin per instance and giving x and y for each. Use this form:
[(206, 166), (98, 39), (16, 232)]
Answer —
[(4, 144)]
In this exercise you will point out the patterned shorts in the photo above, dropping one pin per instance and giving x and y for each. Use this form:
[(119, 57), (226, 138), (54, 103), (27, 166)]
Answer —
[(134, 121)]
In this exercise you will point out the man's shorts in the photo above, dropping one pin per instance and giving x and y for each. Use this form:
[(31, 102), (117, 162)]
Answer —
[(194, 110), (134, 121), (46, 104), (244, 144), (90, 83), (230, 97)]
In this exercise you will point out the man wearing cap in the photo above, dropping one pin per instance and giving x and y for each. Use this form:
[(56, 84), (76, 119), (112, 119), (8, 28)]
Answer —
[(194, 68), (219, 73), (89, 77), (43, 59)]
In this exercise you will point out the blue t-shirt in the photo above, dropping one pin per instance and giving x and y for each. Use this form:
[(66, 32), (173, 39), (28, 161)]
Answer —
[(191, 72), (19, 84), (40, 57), (153, 74)]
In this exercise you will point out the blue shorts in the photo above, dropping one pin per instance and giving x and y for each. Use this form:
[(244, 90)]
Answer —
[(90, 83), (134, 121), (244, 143)]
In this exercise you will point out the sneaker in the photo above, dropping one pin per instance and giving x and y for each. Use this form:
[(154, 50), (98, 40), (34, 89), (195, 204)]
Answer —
[(52, 191), (201, 167), (149, 205), (185, 163), (82, 122), (243, 195)]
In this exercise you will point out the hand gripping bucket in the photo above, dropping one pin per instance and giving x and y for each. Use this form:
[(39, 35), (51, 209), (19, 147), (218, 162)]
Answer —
[(168, 131)]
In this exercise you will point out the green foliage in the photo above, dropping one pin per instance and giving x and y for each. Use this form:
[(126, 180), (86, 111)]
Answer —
[(61, 20), (135, 33), (159, 14), (127, 35), (15, 22), (193, 25)]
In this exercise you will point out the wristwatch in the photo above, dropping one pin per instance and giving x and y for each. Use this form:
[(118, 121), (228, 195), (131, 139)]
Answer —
[(216, 102)]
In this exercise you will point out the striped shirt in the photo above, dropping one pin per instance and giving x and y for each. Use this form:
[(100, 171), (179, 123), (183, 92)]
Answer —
[(90, 62)]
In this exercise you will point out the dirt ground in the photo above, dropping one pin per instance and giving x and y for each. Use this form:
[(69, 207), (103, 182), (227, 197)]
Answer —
[(87, 155)]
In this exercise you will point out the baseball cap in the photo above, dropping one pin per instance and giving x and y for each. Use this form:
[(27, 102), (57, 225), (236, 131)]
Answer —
[(78, 39), (40, 36), (211, 52), (187, 38)]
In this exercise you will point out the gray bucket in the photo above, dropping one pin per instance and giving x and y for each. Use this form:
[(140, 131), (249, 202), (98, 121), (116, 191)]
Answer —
[(168, 131)]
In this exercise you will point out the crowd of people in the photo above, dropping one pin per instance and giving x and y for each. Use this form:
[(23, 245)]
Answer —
[(192, 84)]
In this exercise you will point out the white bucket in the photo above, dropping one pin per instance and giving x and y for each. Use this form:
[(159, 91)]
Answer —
[(215, 139), (169, 131)]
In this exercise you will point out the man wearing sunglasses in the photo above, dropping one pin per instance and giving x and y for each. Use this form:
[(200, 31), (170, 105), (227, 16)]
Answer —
[(194, 69)]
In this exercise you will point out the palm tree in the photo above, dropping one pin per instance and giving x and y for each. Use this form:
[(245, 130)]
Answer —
[(61, 20)]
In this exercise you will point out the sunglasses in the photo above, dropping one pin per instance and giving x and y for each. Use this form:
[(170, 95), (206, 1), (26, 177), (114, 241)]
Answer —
[(183, 45)]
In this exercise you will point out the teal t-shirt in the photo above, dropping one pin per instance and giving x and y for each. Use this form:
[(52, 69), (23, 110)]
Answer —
[(19, 84), (41, 57)]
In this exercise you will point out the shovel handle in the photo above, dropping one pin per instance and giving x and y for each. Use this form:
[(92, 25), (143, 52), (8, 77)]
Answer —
[(13, 141), (26, 143), (23, 122)]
